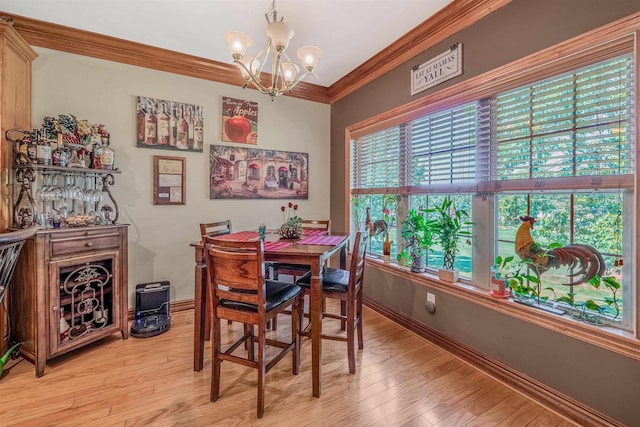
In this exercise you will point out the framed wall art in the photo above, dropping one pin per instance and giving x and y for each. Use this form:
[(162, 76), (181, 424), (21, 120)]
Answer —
[(169, 176), (169, 125), (239, 121), (251, 173)]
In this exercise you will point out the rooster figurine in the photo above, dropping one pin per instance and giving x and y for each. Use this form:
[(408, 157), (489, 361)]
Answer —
[(377, 227), (587, 259)]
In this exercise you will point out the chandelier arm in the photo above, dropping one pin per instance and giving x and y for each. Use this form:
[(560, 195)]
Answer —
[(275, 66), (262, 56), (252, 78), (294, 83), (283, 84)]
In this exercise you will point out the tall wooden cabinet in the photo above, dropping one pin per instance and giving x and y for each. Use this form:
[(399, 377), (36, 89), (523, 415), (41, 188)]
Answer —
[(73, 290), (15, 112)]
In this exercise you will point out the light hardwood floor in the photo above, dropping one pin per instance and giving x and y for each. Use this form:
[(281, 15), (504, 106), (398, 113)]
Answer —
[(401, 380)]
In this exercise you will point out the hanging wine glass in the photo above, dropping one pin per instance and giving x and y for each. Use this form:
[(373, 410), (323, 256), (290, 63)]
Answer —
[(55, 190)]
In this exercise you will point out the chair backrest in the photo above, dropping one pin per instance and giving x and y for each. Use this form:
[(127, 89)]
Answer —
[(358, 255), (317, 224), (236, 271), (217, 228), (10, 245)]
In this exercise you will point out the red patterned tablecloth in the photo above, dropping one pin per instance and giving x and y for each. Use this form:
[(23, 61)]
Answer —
[(319, 232), (274, 246), (311, 237), (322, 240)]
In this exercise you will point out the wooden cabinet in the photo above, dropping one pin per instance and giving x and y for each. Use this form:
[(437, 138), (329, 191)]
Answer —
[(71, 290), (15, 112)]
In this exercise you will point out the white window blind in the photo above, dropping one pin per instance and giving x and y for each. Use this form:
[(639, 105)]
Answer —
[(376, 160), (578, 124), (443, 147)]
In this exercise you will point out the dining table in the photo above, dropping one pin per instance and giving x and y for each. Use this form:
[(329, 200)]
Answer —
[(314, 248)]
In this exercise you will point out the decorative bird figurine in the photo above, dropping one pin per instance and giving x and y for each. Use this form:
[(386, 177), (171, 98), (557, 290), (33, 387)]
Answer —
[(377, 227), (586, 259)]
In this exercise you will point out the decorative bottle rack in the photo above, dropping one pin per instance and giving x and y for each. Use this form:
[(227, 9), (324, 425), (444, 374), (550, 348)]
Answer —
[(85, 299)]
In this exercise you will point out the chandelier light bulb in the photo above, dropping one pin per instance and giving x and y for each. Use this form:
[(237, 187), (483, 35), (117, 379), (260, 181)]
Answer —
[(289, 71), (309, 55), (280, 33), (238, 43)]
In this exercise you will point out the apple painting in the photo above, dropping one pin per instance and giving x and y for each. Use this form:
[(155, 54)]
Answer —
[(237, 128), (239, 121)]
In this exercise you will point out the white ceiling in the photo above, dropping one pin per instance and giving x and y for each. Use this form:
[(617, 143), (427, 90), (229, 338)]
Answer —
[(349, 32)]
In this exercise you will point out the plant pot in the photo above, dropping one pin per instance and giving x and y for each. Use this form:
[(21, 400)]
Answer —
[(418, 263), (499, 288), (450, 276)]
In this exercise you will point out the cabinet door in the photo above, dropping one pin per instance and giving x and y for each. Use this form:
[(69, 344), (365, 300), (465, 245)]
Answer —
[(85, 295)]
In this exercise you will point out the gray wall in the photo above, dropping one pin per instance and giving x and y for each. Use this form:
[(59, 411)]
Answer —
[(605, 381)]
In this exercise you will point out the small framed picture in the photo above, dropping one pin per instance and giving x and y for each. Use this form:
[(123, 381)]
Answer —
[(169, 176)]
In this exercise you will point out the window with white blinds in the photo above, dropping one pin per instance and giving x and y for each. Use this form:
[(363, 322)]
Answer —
[(376, 160), (556, 141), (577, 124), (435, 149), (443, 147)]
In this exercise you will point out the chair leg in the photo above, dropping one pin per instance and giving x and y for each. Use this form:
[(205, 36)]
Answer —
[(207, 315), (262, 367), (351, 331), (249, 342), (359, 315), (296, 328), (215, 361), (343, 312)]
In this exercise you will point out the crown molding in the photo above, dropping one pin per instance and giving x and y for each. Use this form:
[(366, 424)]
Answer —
[(12, 36), (449, 20), (80, 42)]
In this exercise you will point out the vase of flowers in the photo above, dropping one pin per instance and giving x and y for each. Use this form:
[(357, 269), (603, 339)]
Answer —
[(292, 226)]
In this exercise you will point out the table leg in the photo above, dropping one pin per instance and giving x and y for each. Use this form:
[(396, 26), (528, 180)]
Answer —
[(315, 313), (343, 304), (200, 314)]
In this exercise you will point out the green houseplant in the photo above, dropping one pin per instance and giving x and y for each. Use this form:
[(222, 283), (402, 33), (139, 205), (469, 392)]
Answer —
[(449, 227), (417, 233)]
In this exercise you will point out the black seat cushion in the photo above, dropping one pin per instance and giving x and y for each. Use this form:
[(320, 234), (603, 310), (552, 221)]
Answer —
[(277, 294), (296, 267), (333, 280)]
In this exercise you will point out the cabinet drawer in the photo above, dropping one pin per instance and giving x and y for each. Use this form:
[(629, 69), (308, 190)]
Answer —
[(84, 243)]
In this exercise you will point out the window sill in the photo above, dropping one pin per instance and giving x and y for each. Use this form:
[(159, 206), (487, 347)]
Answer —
[(621, 342)]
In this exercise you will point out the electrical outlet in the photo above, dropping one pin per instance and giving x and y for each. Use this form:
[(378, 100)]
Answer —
[(431, 298), (430, 303)]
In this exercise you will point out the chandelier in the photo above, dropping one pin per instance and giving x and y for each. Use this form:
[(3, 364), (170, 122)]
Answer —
[(285, 75)]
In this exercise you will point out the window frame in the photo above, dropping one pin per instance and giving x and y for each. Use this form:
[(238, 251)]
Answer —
[(600, 44)]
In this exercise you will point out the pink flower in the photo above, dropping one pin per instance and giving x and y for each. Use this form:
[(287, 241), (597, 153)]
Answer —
[(295, 207), (290, 205), (282, 208)]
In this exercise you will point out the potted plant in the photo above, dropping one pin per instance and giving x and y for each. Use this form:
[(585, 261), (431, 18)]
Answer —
[(449, 226), (417, 233)]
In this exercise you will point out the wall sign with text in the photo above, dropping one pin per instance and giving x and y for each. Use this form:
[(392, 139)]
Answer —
[(443, 67)]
